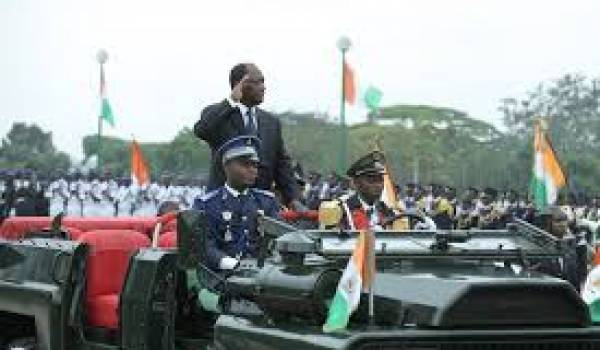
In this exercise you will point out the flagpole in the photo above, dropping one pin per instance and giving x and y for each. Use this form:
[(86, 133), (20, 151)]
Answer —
[(99, 150), (343, 45), (101, 57), (372, 262)]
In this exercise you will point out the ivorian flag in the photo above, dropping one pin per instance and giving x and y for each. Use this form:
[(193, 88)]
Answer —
[(105, 110), (349, 84), (388, 195), (548, 176), (359, 95), (139, 170), (591, 293), (357, 278)]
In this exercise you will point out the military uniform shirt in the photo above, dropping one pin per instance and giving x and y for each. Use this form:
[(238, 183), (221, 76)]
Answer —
[(232, 221)]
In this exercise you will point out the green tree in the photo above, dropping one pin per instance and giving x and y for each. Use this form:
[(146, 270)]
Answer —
[(185, 155), (28, 146), (571, 106)]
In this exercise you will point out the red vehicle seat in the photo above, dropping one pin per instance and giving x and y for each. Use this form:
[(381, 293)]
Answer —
[(107, 264), (169, 226), (16, 227), (168, 240), (140, 224)]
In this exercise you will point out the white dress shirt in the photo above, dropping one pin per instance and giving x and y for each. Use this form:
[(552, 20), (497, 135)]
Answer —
[(244, 111)]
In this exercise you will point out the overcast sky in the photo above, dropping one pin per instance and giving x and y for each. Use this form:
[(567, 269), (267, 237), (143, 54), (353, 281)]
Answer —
[(168, 59)]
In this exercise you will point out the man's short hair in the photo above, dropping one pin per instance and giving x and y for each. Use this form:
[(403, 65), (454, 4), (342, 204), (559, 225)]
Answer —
[(237, 73)]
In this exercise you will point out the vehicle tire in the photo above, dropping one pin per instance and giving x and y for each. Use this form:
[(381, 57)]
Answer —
[(28, 343)]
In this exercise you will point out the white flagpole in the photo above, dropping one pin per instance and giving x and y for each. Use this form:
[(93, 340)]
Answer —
[(372, 260)]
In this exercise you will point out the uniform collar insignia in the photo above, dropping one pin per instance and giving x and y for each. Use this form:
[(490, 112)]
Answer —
[(235, 193)]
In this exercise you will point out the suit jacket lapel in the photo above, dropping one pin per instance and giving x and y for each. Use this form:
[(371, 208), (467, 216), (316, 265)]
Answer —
[(261, 124), (236, 121)]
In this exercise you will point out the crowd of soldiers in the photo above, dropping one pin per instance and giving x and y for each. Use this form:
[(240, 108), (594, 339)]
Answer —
[(23, 193), (486, 208)]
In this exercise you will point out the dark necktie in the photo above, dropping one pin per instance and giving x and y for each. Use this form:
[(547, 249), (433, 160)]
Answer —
[(250, 126)]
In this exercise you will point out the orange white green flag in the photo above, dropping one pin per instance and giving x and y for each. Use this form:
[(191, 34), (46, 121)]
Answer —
[(105, 109), (361, 98), (388, 195), (356, 279), (349, 84), (139, 169), (548, 176)]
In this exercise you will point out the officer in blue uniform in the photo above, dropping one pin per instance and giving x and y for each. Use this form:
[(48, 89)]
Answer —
[(233, 208)]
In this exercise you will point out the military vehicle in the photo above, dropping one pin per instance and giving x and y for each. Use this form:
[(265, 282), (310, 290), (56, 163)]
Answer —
[(433, 289)]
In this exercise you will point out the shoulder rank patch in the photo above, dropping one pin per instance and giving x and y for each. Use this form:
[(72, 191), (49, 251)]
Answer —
[(264, 192), (209, 195)]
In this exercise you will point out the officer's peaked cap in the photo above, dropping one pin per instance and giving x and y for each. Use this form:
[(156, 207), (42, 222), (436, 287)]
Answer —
[(240, 146)]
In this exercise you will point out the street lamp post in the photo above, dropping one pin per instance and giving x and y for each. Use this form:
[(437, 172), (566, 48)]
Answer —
[(343, 44), (101, 57)]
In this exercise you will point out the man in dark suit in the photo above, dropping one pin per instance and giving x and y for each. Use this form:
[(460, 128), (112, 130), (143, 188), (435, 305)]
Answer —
[(239, 115)]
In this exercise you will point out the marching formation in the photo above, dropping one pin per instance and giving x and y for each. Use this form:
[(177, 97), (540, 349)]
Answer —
[(25, 194)]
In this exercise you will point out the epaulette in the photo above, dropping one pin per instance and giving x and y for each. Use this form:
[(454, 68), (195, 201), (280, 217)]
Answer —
[(345, 197), (264, 192), (209, 195)]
